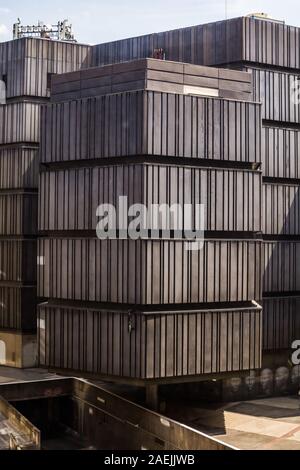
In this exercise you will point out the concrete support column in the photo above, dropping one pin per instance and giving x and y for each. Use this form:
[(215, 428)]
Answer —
[(152, 397)]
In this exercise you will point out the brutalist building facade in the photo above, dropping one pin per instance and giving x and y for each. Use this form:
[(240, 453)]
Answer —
[(26, 67), (270, 51), (215, 123), (151, 310)]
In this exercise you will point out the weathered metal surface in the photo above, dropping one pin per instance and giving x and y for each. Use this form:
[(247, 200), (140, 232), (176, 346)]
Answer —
[(281, 322), (68, 199), (20, 123), (281, 209), (152, 74), (278, 93), (27, 64), (149, 271), (18, 213), (26, 67), (280, 152), (19, 168), (151, 123), (18, 308), (17, 261), (16, 432), (18, 348), (222, 42), (281, 266), (147, 345)]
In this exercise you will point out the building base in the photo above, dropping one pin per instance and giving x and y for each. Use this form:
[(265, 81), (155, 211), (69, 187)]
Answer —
[(18, 349)]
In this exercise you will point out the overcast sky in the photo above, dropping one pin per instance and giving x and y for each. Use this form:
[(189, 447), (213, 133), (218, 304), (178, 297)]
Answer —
[(106, 20)]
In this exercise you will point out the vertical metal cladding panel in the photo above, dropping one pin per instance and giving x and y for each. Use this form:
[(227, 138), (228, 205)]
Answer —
[(280, 152), (234, 40), (26, 63), (18, 214), (281, 322), (18, 308), (19, 123), (148, 346), (276, 91), (69, 198), (107, 126), (19, 168), (151, 123), (18, 261), (209, 44), (271, 43), (281, 209), (150, 74), (281, 266), (197, 127), (149, 271)]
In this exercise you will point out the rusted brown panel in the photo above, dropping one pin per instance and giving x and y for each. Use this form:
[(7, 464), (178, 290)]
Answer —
[(18, 214), (18, 308), (151, 123), (281, 209), (163, 348), (281, 322), (17, 261), (18, 168), (112, 270), (19, 123), (281, 268), (232, 198)]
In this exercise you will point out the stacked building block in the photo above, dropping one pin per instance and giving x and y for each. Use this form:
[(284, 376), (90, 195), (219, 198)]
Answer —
[(26, 68), (149, 310), (270, 50)]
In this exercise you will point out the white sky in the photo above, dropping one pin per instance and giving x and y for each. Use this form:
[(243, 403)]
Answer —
[(106, 20)]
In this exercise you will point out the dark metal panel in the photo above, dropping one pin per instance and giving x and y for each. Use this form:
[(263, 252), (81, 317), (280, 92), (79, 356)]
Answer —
[(150, 74), (280, 152), (19, 123), (274, 90), (171, 350), (18, 308), (112, 270), (222, 42), (114, 129), (26, 63), (18, 168), (134, 124), (69, 198), (281, 266), (18, 261), (281, 322), (179, 45), (271, 43), (18, 214), (218, 125), (281, 209)]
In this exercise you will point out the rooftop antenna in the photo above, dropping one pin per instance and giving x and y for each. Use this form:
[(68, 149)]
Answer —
[(62, 31)]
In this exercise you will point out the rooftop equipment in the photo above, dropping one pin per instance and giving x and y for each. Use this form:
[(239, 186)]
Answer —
[(62, 31)]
